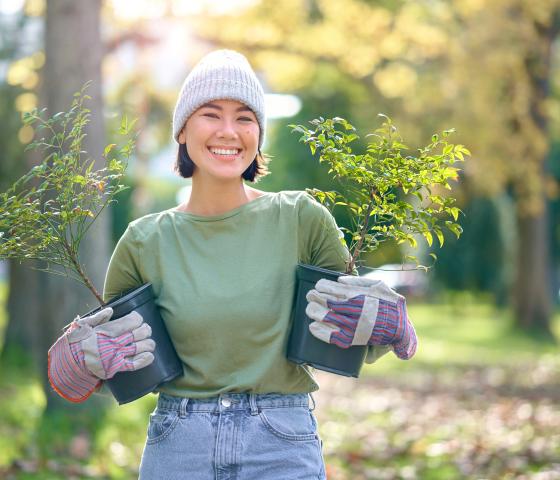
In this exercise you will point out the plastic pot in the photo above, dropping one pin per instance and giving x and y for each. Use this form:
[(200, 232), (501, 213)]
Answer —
[(303, 347), (129, 386)]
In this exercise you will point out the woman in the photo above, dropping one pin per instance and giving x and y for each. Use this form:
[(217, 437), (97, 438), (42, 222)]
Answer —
[(222, 265)]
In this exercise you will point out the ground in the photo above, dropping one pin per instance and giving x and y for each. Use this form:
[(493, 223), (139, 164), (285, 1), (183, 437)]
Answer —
[(480, 400)]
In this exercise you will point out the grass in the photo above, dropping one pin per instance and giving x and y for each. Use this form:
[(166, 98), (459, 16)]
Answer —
[(466, 333), (108, 443), (81, 442)]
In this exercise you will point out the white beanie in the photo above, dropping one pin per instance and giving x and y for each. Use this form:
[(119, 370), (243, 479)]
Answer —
[(220, 75)]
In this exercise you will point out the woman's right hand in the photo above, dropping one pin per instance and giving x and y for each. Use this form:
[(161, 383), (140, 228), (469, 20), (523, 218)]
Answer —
[(93, 349)]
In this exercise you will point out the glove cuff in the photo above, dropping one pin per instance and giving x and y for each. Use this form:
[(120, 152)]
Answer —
[(66, 376), (405, 347)]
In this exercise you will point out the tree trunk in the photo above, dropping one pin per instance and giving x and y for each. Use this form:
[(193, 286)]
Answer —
[(19, 339), (533, 287), (73, 56)]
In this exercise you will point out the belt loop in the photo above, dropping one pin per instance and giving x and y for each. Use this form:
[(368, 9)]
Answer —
[(312, 401), (253, 404), (183, 408)]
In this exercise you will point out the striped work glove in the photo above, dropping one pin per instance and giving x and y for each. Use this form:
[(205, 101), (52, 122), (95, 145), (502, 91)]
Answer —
[(360, 311), (93, 349)]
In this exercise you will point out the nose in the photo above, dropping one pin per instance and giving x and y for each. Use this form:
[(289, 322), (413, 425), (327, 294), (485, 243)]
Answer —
[(227, 129)]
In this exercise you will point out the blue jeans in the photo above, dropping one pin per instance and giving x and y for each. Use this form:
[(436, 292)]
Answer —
[(234, 436)]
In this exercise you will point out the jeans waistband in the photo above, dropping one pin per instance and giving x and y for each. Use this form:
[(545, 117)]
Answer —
[(234, 401)]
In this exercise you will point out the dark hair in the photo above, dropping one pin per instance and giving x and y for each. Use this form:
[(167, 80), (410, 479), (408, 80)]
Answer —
[(184, 166)]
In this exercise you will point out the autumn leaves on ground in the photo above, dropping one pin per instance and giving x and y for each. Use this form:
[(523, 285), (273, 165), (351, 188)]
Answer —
[(478, 422), (479, 401)]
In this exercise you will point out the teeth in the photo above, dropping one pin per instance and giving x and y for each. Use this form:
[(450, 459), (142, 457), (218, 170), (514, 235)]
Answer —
[(222, 151)]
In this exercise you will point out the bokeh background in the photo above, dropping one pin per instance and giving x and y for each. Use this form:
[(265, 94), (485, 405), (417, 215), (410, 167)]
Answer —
[(481, 399)]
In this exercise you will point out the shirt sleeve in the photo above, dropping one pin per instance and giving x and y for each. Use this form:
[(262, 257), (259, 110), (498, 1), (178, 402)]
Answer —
[(123, 272), (321, 241)]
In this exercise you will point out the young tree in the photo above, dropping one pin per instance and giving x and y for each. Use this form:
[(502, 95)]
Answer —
[(73, 52)]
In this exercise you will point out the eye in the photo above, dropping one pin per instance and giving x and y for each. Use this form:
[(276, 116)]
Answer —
[(210, 115), (246, 119)]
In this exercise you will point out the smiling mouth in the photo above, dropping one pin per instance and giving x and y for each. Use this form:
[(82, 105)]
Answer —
[(225, 152)]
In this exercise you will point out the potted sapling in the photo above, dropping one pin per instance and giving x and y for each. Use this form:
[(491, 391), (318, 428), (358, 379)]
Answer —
[(389, 193), (45, 215)]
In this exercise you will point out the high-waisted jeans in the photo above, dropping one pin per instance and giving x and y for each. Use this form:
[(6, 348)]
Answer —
[(234, 436)]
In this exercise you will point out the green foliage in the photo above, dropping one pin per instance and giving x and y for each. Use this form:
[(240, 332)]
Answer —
[(45, 214), (388, 194), (483, 258)]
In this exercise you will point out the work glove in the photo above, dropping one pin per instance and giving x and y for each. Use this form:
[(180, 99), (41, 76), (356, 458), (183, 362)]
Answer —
[(93, 349), (360, 311)]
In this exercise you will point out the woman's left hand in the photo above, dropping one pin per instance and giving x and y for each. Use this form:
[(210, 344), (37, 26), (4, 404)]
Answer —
[(360, 311)]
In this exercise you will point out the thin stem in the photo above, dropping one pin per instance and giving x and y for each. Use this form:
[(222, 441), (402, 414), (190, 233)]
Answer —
[(363, 231), (99, 211), (79, 270)]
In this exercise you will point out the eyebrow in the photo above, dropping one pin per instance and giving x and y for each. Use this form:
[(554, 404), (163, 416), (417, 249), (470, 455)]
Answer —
[(242, 108)]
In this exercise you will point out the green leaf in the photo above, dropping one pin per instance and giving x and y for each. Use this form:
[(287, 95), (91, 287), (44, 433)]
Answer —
[(419, 195), (412, 241), (440, 237), (80, 179), (124, 125), (456, 229), (108, 148), (454, 212), (429, 237), (115, 165)]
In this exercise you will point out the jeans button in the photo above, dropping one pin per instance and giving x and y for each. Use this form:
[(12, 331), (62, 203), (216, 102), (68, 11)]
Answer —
[(226, 402)]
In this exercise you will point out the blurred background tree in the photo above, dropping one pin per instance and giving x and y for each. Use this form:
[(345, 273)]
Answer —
[(49, 78), (17, 95)]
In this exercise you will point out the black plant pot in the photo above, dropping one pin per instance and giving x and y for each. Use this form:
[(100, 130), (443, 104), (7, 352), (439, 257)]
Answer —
[(129, 386), (303, 347)]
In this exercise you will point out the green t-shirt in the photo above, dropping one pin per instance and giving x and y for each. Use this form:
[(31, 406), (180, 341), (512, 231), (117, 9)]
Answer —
[(225, 285)]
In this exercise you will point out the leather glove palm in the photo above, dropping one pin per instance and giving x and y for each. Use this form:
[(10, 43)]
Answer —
[(360, 311)]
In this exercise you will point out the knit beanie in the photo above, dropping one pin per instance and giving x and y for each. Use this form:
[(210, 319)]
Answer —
[(220, 75)]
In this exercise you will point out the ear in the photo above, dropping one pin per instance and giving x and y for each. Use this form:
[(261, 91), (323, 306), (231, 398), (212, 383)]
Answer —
[(182, 136)]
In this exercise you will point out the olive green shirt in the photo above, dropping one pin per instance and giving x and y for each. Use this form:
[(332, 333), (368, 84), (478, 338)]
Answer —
[(225, 286)]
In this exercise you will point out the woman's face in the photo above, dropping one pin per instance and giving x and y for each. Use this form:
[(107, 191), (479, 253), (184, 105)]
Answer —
[(222, 139)]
